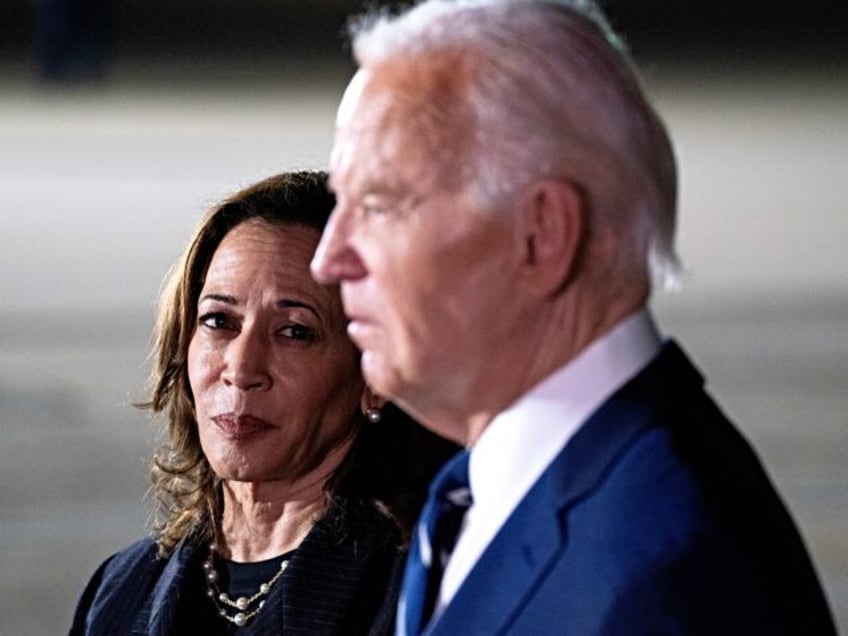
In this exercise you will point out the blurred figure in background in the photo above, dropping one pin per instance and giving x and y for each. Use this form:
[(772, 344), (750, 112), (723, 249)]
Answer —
[(286, 488), (504, 189), (74, 39)]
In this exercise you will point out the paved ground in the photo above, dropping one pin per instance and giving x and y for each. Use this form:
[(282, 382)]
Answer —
[(100, 189)]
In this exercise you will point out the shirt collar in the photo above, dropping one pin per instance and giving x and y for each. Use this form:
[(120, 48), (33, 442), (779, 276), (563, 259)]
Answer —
[(522, 440)]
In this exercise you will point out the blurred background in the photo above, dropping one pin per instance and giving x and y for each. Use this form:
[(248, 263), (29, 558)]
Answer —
[(121, 121)]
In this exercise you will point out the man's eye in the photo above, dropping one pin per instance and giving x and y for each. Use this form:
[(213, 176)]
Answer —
[(299, 332), (389, 207), (373, 209), (215, 320), (376, 205)]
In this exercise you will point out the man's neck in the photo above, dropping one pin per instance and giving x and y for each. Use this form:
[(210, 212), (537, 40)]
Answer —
[(514, 370)]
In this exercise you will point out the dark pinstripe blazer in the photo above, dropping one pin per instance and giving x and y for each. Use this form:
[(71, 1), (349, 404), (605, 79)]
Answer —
[(332, 586)]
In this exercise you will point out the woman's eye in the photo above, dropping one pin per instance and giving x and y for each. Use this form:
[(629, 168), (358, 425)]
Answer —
[(299, 332), (215, 320)]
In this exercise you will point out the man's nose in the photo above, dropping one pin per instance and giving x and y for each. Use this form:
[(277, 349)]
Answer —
[(336, 259)]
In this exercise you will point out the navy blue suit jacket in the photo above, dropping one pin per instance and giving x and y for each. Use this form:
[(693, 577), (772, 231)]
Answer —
[(656, 518), (332, 586)]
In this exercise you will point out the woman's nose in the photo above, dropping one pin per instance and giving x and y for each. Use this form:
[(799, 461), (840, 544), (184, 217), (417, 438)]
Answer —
[(246, 364)]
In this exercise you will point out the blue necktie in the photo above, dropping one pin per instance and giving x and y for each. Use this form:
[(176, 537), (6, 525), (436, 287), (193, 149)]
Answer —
[(433, 541)]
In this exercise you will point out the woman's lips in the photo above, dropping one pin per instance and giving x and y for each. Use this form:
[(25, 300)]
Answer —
[(240, 426)]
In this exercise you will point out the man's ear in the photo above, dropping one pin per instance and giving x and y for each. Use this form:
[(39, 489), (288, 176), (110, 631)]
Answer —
[(554, 232)]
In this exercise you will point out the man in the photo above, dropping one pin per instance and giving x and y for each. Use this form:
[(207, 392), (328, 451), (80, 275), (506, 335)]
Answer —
[(504, 191)]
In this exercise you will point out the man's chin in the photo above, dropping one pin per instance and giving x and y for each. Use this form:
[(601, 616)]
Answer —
[(378, 374)]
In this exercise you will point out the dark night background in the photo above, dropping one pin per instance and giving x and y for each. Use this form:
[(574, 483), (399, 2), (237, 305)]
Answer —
[(112, 145), (815, 30)]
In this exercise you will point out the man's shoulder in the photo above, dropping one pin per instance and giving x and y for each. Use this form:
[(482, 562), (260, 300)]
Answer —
[(661, 463)]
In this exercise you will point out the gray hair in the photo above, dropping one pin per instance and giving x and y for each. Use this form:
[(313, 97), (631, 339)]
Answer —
[(552, 93)]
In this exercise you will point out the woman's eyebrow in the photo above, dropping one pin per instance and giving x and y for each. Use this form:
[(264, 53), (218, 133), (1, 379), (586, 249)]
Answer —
[(283, 303), (221, 298), (288, 303)]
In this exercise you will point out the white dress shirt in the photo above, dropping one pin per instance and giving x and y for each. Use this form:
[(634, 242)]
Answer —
[(522, 441)]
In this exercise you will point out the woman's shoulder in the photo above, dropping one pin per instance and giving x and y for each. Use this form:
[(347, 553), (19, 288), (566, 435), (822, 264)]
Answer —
[(142, 552), (141, 555), (127, 564), (123, 579), (361, 523)]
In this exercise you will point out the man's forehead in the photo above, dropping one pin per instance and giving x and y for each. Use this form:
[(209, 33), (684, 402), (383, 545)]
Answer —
[(351, 98), (370, 97), (365, 129), (382, 137)]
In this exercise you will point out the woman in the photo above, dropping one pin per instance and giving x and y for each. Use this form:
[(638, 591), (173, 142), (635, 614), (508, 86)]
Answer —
[(285, 488)]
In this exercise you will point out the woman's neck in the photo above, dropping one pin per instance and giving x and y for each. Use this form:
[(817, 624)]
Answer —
[(265, 519)]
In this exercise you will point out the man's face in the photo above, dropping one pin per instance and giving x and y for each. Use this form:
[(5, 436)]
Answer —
[(427, 281)]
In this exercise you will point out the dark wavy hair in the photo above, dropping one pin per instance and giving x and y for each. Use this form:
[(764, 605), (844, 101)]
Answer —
[(389, 464)]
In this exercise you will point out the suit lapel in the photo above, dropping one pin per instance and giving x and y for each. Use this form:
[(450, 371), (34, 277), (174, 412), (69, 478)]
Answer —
[(519, 556), (610, 430), (329, 585), (156, 618), (507, 571)]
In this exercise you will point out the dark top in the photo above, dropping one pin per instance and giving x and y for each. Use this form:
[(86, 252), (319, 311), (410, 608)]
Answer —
[(336, 583), (199, 614)]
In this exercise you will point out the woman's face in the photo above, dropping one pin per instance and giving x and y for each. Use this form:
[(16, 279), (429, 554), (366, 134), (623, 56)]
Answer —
[(275, 379)]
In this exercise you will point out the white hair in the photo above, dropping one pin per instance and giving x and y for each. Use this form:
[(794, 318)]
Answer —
[(554, 94), (378, 34)]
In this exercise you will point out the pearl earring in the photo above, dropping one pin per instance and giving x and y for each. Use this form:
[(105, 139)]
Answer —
[(374, 415)]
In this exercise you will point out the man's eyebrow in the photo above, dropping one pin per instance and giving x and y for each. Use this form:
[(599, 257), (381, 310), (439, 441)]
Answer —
[(368, 186)]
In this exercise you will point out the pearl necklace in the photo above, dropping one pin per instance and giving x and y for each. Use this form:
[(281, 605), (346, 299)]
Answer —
[(244, 605)]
